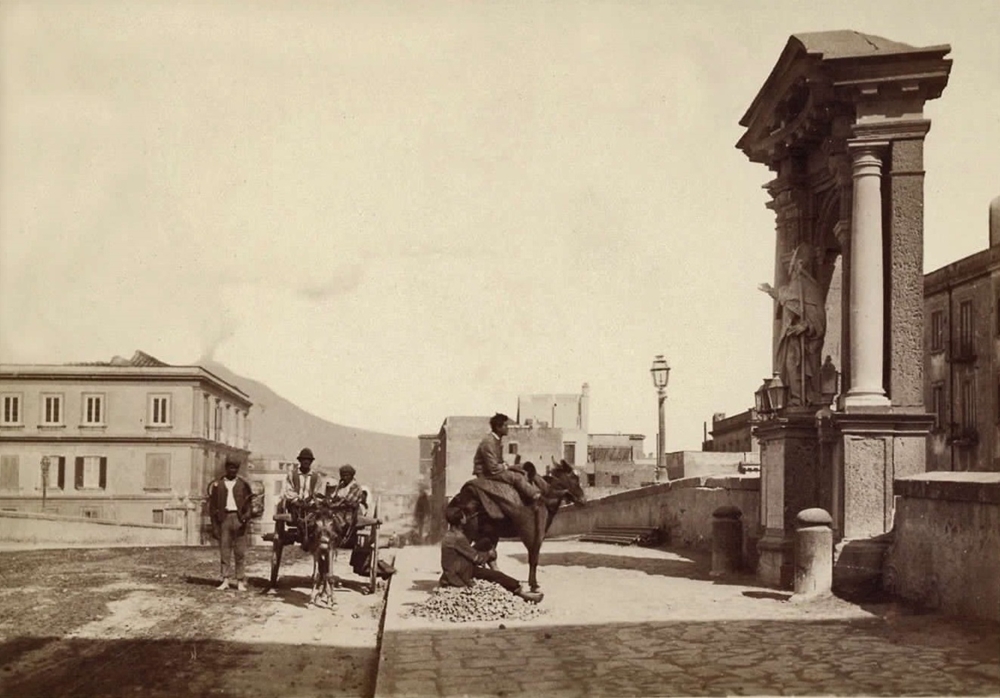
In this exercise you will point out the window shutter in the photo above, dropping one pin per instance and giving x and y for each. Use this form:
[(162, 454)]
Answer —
[(62, 472), (103, 478), (78, 473)]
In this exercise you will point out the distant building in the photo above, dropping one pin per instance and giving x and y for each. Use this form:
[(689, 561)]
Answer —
[(732, 434), (962, 358), (569, 412), (616, 462), (123, 438), (428, 447), (271, 471)]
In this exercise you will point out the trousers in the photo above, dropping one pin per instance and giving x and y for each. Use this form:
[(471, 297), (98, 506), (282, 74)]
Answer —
[(233, 545)]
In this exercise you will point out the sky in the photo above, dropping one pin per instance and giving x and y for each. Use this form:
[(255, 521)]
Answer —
[(393, 212)]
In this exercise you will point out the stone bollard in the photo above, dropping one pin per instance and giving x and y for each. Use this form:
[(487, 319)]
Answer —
[(813, 553), (727, 540)]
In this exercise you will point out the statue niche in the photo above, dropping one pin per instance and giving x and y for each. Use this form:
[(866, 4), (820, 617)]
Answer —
[(801, 310)]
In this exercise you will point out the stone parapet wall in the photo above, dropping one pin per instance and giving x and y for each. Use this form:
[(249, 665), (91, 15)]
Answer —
[(682, 508), (946, 546), (52, 530)]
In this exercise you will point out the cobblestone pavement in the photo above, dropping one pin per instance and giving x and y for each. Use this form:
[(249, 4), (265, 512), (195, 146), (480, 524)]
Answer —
[(640, 622)]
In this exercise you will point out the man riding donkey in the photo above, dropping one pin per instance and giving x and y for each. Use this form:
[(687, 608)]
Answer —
[(488, 461)]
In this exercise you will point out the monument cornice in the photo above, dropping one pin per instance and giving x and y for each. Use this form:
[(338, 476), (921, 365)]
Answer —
[(882, 423), (890, 130), (816, 72)]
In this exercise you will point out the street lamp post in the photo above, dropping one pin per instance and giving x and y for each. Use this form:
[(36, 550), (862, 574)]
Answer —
[(661, 375), (45, 479)]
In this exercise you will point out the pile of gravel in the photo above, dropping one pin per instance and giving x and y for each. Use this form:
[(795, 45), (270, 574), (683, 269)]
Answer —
[(482, 601)]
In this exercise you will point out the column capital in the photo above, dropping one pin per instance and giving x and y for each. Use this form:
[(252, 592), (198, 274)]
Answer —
[(859, 147)]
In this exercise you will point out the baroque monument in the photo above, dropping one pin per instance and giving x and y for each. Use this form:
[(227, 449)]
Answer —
[(839, 121)]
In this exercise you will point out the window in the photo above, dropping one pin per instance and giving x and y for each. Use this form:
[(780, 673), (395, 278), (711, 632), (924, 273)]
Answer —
[(90, 512), (93, 409), (616, 480), (9, 473), (11, 415), (965, 329), (52, 410), (57, 473), (937, 331), (591, 479), (218, 420), (206, 418), (937, 405), (512, 448), (968, 405), (157, 471), (91, 472), (158, 516), (569, 453), (159, 410)]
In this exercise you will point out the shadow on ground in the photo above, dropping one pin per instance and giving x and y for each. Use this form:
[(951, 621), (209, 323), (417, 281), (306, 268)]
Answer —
[(171, 668)]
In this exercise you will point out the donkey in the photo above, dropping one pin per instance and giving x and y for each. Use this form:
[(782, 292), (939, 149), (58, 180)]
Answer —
[(529, 522), (329, 525)]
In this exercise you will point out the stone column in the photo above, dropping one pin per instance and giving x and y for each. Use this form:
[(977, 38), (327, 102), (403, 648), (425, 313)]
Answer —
[(867, 279)]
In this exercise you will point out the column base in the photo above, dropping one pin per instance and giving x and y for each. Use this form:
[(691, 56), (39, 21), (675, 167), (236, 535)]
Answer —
[(776, 564), (866, 399)]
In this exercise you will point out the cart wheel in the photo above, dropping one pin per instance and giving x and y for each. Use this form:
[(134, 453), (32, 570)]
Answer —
[(276, 547)]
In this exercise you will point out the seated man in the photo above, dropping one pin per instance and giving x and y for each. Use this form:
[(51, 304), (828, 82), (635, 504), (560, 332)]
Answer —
[(349, 492), (461, 563), (488, 461), (300, 485)]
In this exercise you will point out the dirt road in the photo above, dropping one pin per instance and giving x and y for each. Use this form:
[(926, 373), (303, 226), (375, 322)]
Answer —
[(150, 622)]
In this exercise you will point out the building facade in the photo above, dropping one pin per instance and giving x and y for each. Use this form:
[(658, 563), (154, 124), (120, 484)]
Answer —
[(616, 462), (732, 434), (121, 439), (962, 359), (569, 412)]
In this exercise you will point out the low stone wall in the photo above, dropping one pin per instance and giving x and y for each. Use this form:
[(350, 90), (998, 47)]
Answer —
[(681, 508), (945, 552), (53, 530)]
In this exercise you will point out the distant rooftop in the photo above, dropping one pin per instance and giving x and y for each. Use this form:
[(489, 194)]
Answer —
[(139, 359)]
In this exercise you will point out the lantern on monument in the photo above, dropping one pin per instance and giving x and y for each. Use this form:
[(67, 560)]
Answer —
[(829, 381), (777, 394), (760, 399)]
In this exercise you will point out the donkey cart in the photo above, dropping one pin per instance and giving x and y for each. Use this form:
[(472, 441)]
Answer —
[(322, 527)]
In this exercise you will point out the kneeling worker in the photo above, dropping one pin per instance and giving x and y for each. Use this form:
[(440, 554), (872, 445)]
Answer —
[(461, 563)]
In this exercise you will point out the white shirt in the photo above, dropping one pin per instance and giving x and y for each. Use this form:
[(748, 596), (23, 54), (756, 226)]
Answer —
[(230, 499)]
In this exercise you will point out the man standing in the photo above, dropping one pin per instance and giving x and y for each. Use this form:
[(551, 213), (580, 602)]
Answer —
[(461, 563), (488, 461), (229, 504)]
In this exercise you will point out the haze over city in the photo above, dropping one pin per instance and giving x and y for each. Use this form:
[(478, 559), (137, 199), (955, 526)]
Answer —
[(391, 213)]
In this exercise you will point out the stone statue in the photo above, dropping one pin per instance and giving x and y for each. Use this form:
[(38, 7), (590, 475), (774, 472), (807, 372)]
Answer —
[(801, 309)]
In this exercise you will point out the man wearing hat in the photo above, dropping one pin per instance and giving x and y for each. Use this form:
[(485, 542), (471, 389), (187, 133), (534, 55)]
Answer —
[(300, 485)]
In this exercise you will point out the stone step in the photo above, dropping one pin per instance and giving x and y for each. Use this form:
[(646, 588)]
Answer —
[(618, 540)]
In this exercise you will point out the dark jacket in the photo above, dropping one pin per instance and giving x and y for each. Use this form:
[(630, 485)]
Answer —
[(217, 494), (488, 460), (458, 559)]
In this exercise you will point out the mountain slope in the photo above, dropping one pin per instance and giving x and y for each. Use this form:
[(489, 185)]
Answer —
[(278, 428)]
